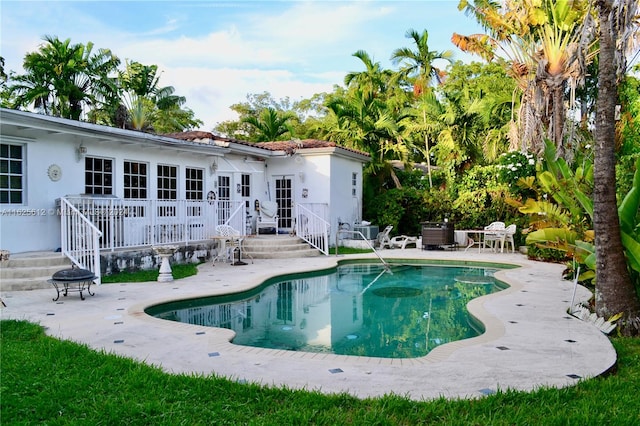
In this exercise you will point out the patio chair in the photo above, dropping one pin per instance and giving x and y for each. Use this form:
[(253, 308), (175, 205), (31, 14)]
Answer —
[(267, 216), (508, 239), (382, 239), (402, 241), (491, 239), (229, 239)]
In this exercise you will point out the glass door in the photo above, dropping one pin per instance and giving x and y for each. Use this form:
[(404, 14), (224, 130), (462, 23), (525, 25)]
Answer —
[(284, 198)]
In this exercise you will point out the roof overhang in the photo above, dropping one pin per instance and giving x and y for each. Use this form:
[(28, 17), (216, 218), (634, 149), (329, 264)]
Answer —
[(27, 125)]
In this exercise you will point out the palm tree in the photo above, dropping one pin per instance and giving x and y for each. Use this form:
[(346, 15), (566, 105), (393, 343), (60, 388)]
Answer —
[(424, 118), (372, 80), (565, 53), (460, 142), (149, 106), (65, 79), (270, 124), (545, 46), (418, 66), (615, 292)]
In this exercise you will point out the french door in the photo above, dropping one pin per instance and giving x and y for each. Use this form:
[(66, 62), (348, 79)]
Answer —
[(224, 199), (284, 198)]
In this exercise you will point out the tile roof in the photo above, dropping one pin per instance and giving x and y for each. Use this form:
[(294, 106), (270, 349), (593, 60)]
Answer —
[(202, 136), (289, 147), (292, 146)]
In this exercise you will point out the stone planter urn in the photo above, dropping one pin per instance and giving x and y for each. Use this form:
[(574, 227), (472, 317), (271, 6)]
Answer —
[(165, 253)]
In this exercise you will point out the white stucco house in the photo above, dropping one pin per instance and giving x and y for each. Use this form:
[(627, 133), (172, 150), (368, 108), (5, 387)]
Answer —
[(62, 181)]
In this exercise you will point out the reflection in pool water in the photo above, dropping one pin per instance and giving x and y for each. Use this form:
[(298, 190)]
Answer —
[(354, 309)]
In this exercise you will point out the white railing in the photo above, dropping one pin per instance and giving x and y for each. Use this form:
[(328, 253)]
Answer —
[(129, 223), (236, 217), (312, 227), (80, 239)]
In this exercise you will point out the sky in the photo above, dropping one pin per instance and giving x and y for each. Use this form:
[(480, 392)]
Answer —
[(215, 53)]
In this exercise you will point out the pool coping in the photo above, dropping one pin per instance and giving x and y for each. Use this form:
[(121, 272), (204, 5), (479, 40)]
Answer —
[(493, 327), (529, 340)]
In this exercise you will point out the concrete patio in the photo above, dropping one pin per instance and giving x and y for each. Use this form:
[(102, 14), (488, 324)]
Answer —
[(530, 340)]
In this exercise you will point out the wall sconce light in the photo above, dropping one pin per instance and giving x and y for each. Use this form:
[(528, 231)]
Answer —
[(305, 193), (81, 151), (213, 167), (238, 188)]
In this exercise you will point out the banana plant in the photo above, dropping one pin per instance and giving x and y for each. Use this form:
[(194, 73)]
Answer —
[(583, 248)]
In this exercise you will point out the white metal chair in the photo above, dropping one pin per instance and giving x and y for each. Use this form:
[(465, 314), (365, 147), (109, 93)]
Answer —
[(267, 216), (229, 239), (491, 239)]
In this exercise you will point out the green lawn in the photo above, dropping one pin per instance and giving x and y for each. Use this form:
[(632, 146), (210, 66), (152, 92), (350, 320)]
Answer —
[(177, 271), (48, 381)]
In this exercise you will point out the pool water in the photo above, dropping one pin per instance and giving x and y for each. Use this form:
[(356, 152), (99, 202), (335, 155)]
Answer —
[(355, 309)]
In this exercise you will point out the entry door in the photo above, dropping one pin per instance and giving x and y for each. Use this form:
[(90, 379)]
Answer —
[(284, 198), (224, 197)]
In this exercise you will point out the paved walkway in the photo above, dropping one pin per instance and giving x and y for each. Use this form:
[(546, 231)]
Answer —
[(530, 340)]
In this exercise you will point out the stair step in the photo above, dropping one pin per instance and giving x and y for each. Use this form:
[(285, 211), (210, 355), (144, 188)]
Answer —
[(30, 271), (281, 254), (275, 248), (21, 260), (20, 284)]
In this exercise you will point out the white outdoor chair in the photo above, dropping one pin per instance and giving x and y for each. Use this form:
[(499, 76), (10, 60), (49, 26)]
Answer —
[(508, 239), (492, 239), (382, 239), (229, 239), (402, 241), (267, 216)]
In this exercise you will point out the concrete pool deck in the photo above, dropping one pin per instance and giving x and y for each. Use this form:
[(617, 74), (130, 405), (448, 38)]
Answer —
[(530, 340)]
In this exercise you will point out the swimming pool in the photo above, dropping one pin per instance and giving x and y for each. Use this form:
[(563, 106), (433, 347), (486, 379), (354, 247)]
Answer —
[(357, 309)]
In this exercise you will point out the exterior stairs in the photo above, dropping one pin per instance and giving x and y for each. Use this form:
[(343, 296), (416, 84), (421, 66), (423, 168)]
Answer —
[(276, 247), (30, 271)]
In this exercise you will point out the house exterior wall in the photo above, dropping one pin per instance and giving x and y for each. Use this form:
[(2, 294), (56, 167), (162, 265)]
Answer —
[(34, 225), (346, 193), (319, 176), (323, 178)]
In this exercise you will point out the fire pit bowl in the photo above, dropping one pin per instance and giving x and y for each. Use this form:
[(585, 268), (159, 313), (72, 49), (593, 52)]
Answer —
[(72, 279)]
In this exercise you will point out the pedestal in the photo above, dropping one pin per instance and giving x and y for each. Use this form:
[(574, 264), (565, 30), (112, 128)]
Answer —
[(165, 253)]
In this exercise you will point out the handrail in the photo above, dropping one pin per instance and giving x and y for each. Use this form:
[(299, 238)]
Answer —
[(80, 238), (384, 262), (312, 228), (237, 219)]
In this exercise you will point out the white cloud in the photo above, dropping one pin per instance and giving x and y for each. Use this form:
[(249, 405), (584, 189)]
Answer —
[(215, 53), (210, 92)]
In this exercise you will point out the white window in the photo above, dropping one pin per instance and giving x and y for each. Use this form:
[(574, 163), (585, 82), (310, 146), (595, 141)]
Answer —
[(11, 174), (135, 179), (246, 185), (167, 182), (354, 184), (194, 184), (98, 176)]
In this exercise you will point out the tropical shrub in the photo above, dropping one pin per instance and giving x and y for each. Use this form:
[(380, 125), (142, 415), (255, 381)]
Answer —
[(403, 208), (513, 166), (625, 168), (479, 199), (566, 225)]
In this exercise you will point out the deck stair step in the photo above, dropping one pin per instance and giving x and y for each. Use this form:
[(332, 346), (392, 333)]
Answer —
[(30, 271), (277, 247)]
